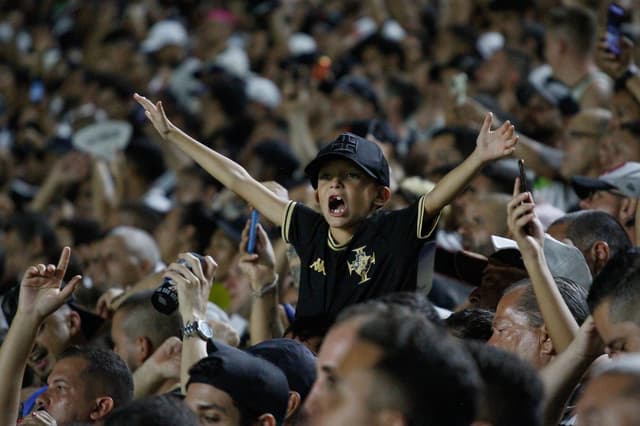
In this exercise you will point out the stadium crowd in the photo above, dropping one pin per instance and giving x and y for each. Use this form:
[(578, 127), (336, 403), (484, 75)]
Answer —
[(304, 212)]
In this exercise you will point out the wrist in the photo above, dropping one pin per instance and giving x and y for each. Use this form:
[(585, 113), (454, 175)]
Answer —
[(269, 287), (27, 320), (476, 161)]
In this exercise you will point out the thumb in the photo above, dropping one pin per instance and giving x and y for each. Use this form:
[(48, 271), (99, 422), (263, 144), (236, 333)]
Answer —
[(68, 290), (486, 124)]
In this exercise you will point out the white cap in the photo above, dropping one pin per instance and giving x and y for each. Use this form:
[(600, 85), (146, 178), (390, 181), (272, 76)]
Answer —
[(165, 33), (391, 30), (263, 91), (301, 44), (233, 60), (489, 44)]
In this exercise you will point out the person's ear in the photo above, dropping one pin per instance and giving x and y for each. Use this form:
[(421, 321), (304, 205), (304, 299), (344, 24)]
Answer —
[(293, 404), (103, 407), (316, 196), (144, 348), (267, 420), (600, 253), (74, 322), (545, 343), (383, 194)]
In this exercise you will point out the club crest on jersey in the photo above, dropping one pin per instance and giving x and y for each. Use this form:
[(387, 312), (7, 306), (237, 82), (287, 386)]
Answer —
[(361, 264), (318, 266)]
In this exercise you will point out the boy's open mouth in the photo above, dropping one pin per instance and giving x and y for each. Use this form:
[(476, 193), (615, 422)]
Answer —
[(337, 206)]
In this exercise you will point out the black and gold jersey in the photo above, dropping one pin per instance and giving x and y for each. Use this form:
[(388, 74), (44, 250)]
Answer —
[(380, 258)]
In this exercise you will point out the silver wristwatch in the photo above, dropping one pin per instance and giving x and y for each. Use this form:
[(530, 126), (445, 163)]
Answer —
[(197, 328)]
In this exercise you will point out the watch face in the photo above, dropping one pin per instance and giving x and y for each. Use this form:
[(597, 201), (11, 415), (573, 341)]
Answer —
[(204, 330)]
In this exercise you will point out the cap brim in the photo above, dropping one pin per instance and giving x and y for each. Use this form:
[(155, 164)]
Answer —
[(584, 186), (313, 167)]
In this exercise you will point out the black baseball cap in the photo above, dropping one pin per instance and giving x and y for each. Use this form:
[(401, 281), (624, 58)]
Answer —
[(254, 384), (365, 154), (295, 360)]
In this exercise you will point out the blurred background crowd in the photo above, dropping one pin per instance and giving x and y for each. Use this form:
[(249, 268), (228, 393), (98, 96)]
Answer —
[(269, 82)]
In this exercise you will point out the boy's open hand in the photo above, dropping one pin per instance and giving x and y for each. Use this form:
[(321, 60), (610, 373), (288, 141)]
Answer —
[(155, 114), (40, 292), (494, 144)]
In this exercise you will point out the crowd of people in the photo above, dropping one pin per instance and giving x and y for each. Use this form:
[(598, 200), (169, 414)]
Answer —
[(302, 212)]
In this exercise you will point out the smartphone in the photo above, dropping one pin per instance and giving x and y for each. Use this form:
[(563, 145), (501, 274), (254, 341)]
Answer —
[(251, 244), (615, 18), (524, 188), (523, 177)]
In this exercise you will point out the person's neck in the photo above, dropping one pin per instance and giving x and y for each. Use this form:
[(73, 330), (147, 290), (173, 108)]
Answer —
[(341, 235), (574, 70)]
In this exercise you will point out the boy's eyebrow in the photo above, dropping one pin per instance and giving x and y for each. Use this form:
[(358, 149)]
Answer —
[(212, 405)]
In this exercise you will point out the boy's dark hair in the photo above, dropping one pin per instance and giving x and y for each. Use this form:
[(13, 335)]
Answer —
[(573, 294), (105, 374), (471, 324), (578, 24), (432, 375), (142, 319), (513, 391), (618, 282), (416, 302), (159, 410), (586, 227)]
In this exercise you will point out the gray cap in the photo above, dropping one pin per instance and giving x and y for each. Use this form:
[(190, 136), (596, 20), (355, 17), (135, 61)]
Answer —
[(625, 179), (562, 259)]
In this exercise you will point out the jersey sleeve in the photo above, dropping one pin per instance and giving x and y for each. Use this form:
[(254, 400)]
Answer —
[(411, 223), (301, 224)]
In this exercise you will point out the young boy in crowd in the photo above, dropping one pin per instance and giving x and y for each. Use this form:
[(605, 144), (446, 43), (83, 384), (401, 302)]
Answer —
[(351, 251)]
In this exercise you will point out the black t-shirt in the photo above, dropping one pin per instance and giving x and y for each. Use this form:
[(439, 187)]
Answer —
[(380, 258)]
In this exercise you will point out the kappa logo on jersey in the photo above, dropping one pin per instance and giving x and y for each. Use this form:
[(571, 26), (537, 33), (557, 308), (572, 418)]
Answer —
[(318, 266), (361, 265)]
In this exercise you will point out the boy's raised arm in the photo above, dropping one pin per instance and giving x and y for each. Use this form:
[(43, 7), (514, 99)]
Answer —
[(231, 174), (490, 146)]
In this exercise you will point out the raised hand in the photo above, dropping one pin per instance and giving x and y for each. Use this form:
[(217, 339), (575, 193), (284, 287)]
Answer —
[(494, 144), (40, 289), (193, 283), (155, 114), (524, 225), (259, 266)]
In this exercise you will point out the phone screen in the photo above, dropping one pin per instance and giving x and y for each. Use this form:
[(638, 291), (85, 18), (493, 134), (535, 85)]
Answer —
[(615, 18)]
